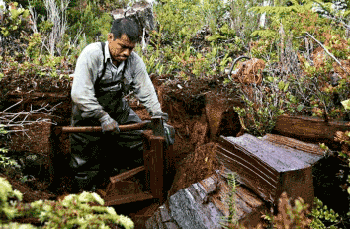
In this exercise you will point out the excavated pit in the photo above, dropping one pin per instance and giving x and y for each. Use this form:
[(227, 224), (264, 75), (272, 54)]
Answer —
[(200, 111), (195, 111)]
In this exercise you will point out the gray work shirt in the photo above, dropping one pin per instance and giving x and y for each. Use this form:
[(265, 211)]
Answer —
[(90, 66)]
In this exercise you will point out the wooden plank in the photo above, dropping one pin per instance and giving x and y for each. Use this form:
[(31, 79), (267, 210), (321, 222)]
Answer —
[(294, 143), (309, 127), (127, 174), (155, 165), (123, 199)]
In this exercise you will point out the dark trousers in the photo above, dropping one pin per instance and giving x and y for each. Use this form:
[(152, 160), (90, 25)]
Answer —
[(95, 156)]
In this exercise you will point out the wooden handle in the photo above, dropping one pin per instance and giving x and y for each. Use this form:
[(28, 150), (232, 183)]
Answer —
[(85, 129)]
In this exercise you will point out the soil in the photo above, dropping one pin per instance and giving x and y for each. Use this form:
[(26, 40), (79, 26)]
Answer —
[(199, 109), (192, 152)]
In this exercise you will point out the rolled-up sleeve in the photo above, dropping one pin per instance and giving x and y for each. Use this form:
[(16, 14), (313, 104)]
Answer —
[(85, 75), (144, 89)]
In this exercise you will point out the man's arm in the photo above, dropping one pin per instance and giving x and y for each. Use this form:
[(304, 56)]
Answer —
[(85, 75), (144, 89)]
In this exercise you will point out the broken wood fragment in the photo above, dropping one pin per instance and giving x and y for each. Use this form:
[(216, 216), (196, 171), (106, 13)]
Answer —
[(127, 174)]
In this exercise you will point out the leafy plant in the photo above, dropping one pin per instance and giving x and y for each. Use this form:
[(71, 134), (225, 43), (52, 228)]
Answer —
[(231, 220), (83, 211), (289, 216)]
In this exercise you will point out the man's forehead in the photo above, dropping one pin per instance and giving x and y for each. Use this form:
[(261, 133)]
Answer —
[(124, 40)]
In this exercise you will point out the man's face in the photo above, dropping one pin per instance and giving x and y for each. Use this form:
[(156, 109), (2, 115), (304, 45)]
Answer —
[(120, 48)]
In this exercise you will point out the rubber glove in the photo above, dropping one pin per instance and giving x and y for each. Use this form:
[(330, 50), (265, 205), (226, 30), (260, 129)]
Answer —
[(108, 124)]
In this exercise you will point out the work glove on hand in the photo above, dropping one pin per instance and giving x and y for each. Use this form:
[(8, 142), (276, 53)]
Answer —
[(162, 114), (169, 131), (108, 124)]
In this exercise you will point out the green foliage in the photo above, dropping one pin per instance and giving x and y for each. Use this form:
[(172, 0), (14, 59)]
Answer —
[(179, 18), (91, 21), (5, 162), (73, 211), (14, 20), (231, 220), (7, 207), (34, 47), (263, 105), (322, 214), (244, 22)]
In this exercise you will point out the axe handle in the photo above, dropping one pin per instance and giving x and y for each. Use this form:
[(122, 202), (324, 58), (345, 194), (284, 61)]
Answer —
[(123, 128)]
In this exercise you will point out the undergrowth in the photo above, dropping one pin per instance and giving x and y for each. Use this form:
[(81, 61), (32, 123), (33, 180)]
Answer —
[(85, 210)]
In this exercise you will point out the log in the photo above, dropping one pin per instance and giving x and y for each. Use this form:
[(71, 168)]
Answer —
[(141, 12), (267, 168), (197, 208), (309, 128)]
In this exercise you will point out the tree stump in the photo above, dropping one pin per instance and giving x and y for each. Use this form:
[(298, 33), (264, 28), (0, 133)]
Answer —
[(269, 168), (141, 12)]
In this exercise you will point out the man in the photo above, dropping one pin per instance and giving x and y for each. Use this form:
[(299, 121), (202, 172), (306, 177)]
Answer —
[(102, 77)]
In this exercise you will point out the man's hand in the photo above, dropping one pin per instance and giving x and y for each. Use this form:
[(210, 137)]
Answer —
[(108, 124)]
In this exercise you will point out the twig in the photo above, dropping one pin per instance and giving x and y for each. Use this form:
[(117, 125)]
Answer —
[(330, 54), (12, 106)]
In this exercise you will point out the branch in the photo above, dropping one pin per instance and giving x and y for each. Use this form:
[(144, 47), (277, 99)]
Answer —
[(330, 54), (8, 119)]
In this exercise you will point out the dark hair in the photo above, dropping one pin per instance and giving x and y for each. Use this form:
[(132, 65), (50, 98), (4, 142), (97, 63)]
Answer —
[(128, 27)]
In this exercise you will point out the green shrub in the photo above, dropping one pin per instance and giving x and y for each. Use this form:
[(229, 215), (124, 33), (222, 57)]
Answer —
[(73, 211)]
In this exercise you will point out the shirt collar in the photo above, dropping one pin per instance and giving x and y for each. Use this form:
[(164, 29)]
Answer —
[(108, 57)]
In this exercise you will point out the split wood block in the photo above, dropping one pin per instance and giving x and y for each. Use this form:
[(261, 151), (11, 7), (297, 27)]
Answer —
[(267, 168), (153, 155)]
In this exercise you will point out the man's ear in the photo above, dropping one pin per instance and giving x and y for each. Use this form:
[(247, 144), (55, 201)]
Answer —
[(110, 37)]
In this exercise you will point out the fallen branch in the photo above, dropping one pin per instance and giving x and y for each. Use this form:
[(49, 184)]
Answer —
[(330, 54), (10, 122)]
